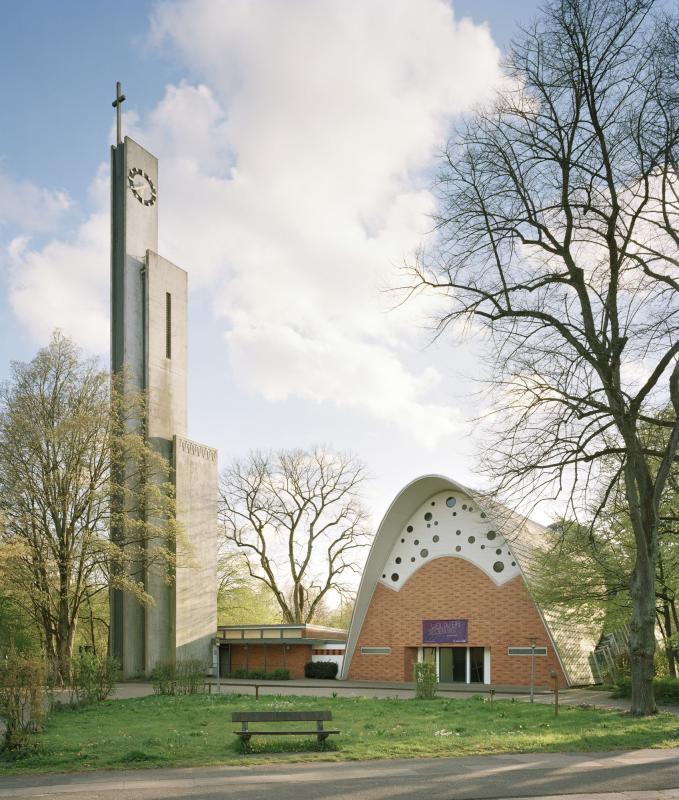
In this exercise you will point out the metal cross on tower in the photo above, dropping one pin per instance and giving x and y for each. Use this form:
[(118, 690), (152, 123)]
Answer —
[(116, 104)]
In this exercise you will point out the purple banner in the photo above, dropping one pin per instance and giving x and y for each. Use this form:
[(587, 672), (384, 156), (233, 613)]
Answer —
[(444, 630)]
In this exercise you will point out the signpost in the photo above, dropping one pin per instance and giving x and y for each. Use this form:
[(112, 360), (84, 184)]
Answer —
[(533, 640)]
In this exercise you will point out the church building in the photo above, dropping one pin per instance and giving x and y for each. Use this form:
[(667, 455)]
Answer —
[(149, 342), (447, 581)]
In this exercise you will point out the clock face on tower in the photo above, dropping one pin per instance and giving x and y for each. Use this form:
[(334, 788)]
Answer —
[(142, 186)]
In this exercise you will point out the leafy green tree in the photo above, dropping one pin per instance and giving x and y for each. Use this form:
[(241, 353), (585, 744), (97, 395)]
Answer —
[(63, 437)]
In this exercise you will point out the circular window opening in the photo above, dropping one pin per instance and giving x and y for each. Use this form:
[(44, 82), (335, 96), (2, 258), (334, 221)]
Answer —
[(464, 506), (394, 576), (403, 541), (457, 533), (435, 538), (427, 516), (471, 539), (483, 546), (429, 524), (498, 552), (424, 552), (413, 558), (513, 563), (491, 535), (498, 566), (433, 502), (398, 560), (483, 515), (470, 508), (384, 576), (409, 528), (417, 541), (450, 502), (458, 548)]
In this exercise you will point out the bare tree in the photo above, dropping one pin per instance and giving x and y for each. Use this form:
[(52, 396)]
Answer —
[(62, 431), (558, 234), (296, 520)]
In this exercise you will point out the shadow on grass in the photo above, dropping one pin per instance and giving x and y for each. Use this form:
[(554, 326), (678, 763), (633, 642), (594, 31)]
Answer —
[(273, 745)]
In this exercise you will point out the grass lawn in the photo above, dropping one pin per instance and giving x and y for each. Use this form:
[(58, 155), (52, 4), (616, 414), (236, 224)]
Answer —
[(197, 730)]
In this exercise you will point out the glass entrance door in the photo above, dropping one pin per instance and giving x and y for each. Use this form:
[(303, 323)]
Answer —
[(453, 664)]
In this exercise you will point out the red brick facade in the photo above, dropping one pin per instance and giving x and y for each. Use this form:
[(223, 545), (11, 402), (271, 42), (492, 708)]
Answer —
[(268, 657), (451, 588)]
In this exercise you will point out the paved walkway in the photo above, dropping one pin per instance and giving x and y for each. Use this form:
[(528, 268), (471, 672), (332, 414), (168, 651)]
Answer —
[(627, 775)]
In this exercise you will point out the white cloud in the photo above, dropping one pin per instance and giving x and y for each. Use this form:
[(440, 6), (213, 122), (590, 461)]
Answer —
[(29, 207), (64, 285), (293, 179)]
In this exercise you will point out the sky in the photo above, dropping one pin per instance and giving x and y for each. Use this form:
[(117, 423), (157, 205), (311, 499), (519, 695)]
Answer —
[(297, 142)]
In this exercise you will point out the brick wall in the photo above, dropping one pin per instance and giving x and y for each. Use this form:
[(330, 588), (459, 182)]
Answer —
[(269, 657), (452, 588)]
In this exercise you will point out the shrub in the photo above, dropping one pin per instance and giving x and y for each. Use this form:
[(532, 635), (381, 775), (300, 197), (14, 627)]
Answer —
[(278, 674), (425, 680), (321, 669), (666, 690), (93, 677), (180, 677), (164, 678), (22, 697)]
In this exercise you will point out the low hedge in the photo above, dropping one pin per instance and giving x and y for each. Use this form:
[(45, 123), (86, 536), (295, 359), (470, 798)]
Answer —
[(278, 674), (320, 669), (666, 690)]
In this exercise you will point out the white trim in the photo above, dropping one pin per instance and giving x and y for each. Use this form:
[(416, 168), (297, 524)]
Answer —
[(486, 665)]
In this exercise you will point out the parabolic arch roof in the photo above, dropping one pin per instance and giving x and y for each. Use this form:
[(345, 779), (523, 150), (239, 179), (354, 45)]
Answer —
[(572, 642)]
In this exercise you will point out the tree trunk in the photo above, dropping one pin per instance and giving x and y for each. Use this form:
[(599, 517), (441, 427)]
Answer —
[(669, 649), (642, 635)]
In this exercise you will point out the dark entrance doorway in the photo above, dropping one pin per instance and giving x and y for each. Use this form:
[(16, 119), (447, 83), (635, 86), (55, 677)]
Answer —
[(476, 674), (224, 660)]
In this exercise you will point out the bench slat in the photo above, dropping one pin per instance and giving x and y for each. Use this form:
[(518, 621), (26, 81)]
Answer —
[(324, 732), (280, 716)]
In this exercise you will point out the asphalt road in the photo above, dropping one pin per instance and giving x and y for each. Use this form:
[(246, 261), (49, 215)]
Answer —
[(622, 775)]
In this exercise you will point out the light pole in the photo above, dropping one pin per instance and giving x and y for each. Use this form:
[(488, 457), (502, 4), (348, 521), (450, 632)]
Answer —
[(533, 639)]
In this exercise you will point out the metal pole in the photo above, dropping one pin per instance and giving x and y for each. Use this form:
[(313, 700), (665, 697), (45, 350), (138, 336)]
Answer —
[(219, 668), (555, 677)]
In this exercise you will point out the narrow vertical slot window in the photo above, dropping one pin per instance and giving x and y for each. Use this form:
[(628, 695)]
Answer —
[(168, 325)]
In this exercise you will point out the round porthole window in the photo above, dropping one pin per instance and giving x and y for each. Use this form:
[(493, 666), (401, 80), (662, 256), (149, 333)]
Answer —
[(394, 576), (427, 516), (471, 539), (458, 548), (424, 552), (450, 502), (491, 535), (435, 538), (409, 528), (498, 552), (498, 566), (398, 560)]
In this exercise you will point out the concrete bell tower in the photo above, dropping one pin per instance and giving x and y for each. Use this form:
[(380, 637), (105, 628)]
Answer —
[(149, 340)]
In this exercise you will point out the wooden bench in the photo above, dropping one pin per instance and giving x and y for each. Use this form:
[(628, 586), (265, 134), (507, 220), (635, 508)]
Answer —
[(246, 717)]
